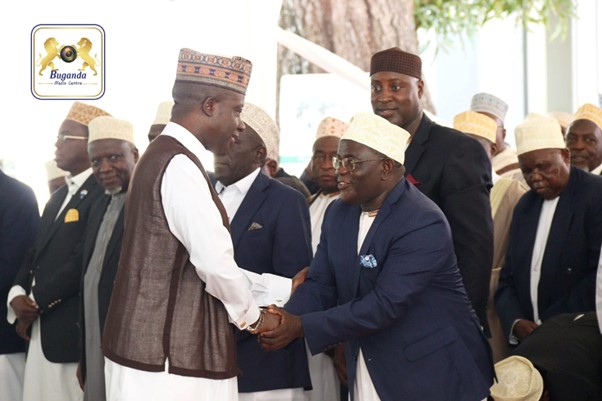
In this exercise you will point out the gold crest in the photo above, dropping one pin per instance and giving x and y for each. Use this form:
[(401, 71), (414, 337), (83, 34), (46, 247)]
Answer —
[(72, 216), (83, 51), (51, 45)]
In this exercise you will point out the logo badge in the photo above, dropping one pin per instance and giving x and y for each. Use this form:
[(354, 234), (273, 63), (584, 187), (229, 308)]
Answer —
[(68, 62)]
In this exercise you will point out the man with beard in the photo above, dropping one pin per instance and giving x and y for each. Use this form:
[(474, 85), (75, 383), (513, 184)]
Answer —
[(113, 156), (584, 139)]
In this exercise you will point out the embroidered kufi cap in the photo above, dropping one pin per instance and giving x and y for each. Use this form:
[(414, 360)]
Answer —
[(106, 127), (53, 171), (517, 380), (477, 124), (563, 118), (589, 112), (396, 60), (487, 103), (84, 113), (261, 122), (379, 134), (331, 126), (231, 73), (163, 113), (538, 132)]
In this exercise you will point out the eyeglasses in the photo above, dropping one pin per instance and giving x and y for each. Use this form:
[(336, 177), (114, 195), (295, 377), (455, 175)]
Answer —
[(349, 163), (63, 137)]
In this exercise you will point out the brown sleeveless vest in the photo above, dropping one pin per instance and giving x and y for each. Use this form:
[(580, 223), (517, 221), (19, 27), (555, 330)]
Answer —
[(159, 308)]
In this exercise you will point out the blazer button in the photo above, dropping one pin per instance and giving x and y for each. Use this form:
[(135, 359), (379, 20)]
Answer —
[(569, 270)]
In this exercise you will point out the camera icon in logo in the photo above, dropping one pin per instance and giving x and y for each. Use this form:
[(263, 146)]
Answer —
[(68, 54)]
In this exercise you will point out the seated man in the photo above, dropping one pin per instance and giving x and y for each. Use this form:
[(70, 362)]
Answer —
[(383, 286)]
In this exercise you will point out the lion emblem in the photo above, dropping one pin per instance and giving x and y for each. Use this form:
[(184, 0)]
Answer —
[(83, 51), (51, 45)]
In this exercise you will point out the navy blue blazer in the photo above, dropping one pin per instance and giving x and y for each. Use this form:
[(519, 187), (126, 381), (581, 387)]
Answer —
[(271, 233), (453, 170), (568, 270), (19, 217), (409, 314), (109, 265), (57, 273)]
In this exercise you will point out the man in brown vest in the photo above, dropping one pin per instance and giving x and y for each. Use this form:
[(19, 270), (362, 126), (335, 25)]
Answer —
[(168, 334)]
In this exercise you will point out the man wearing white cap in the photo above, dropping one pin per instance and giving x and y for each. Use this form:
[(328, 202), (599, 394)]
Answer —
[(162, 117), (45, 294), (504, 160), (178, 292), (584, 138), (323, 375), (504, 196), (270, 229), (555, 235), (113, 156), (381, 284)]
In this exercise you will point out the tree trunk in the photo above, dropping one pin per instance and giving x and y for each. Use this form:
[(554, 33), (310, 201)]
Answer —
[(352, 29)]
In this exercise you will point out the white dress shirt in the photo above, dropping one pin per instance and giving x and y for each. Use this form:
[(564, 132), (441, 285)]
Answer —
[(233, 195)]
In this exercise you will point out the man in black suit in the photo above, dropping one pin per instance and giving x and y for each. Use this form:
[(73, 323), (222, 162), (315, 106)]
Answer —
[(19, 217), (449, 167), (113, 156), (45, 294)]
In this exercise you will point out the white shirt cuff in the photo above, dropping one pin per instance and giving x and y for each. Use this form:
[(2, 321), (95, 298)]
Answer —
[(512, 339), (248, 318), (269, 288), (15, 291)]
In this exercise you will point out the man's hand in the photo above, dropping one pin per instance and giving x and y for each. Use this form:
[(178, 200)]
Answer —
[(270, 322), (523, 328), (25, 308), (339, 363), (22, 327), (299, 279), (289, 329)]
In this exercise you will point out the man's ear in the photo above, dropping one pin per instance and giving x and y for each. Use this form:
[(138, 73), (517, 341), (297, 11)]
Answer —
[(420, 85), (272, 167), (388, 167), (209, 105), (260, 156)]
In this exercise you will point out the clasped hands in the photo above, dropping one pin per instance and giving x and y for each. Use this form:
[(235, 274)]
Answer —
[(279, 328), (27, 312)]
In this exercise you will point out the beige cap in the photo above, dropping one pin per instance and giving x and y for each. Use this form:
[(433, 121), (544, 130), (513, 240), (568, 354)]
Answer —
[(53, 171), (84, 113), (106, 127), (379, 134), (477, 124), (163, 113), (538, 132), (487, 103), (330, 126), (260, 121), (517, 380), (589, 112)]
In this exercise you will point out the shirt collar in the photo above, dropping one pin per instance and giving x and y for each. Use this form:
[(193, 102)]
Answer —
[(597, 170), (189, 141), (243, 185), (75, 182)]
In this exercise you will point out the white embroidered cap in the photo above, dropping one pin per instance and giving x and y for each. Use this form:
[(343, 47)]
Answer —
[(517, 380), (538, 132), (260, 121), (106, 127), (477, 124), (163, 113)]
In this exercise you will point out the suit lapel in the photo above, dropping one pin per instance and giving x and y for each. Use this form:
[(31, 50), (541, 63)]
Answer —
[(77, 198), (347, 244), (249, 206), (49, 215), (418, 144)]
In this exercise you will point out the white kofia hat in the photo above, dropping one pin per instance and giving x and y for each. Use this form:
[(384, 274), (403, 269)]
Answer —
[(110, 128), (379, 134), (487, 103), (477, 124), (517, 380), (331, 126), (260, 121), (163, 113), (538, 132)]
